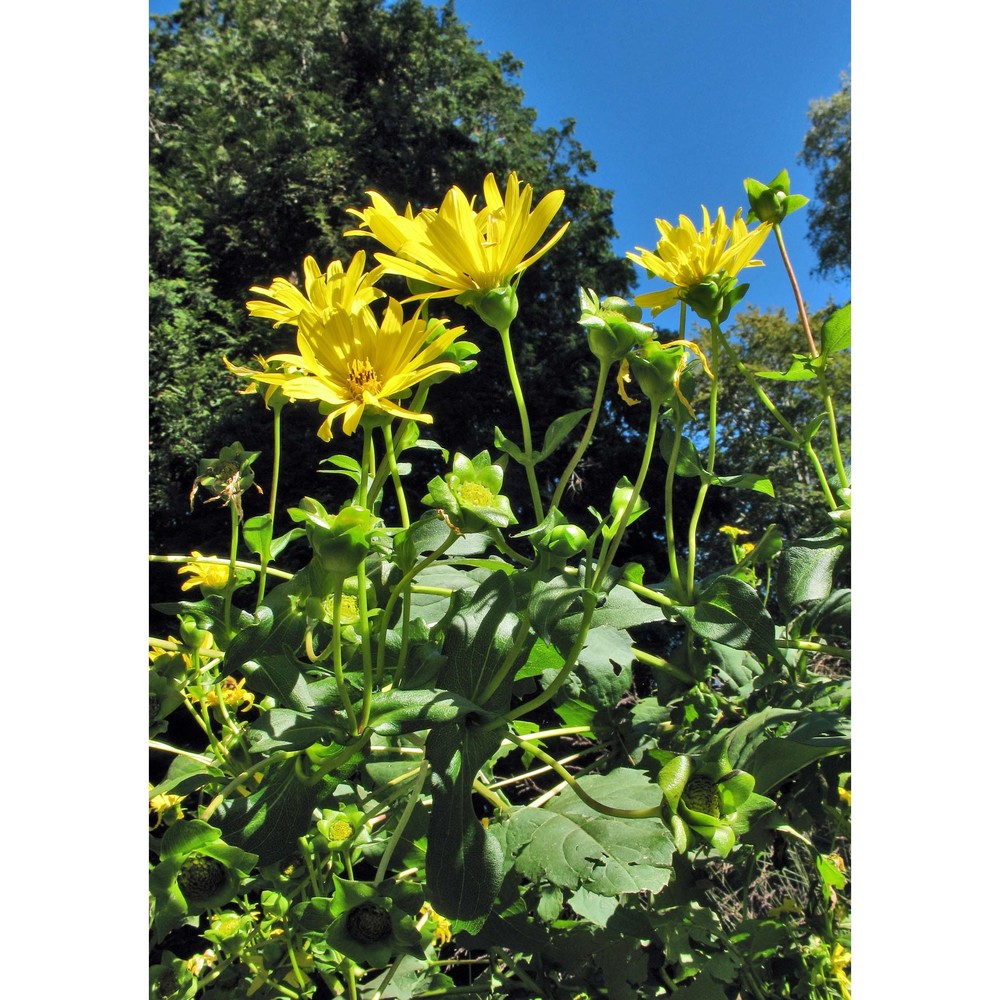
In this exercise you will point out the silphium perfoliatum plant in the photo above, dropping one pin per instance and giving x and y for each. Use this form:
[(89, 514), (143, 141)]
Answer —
[(708, 798), (612, 325), (198, 871), (772, 202)]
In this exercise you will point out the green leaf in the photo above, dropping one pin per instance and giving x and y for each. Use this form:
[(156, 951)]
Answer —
[(282, 678), (573, 846), (345, 466), (408, 711), (257, 533), (593, 907), (504, 443), (749, 481), (270, 820), (802, 367), (688, 462), (730, 611), (806, 569), (558, 431), (264, 635), (604, 666), (284, 729), (836, 333)]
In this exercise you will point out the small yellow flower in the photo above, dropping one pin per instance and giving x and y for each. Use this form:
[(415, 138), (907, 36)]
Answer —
[(844, 795), (685, 257), (233, 695), (166, 807), (840, 959), (746, 548), (732, 532), (442, 927), (348, 365), (460, 248), (204, 574), (351, 291)]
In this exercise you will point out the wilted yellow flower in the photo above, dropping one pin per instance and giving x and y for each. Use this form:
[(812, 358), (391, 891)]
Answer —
[(685, 257), (204, 574), (351, 291), (442, 926), (460, 248), (347, 364)]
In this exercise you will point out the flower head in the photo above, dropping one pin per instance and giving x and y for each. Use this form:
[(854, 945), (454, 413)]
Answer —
[(350, 366), (211, 576), (459, 248), (351, 291), (686, 257)]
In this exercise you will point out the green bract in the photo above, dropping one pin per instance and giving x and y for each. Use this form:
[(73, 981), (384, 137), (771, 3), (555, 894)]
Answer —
[(717, 807), (497, 308), (339, 541), (612, 325), (656, 366), (713, 298), (772, 202), (470, 494), (198, 871)]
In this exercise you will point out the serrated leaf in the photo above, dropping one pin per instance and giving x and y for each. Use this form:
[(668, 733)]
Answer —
[(604, 666), (573, 846)]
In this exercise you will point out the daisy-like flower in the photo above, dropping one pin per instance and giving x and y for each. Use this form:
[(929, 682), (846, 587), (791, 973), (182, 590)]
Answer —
[(204, 574), (352, 291), (686, 257), (350, 366), (459, 248)]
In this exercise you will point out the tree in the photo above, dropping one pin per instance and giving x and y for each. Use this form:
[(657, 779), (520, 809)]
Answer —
[(268, 120), (827, 150)]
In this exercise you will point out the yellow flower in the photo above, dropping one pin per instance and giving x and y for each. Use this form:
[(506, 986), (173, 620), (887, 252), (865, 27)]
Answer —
[(352, 291), (442, 927), (685, 257), (845, 796), (233, 694), (841, 962), (204, 574), (732, 532), (166, 807), (348, 365), (459, 248)]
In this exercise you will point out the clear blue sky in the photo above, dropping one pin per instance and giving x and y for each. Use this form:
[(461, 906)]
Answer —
[(678, 102)]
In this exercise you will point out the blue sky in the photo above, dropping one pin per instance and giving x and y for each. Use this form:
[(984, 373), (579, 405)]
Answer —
[(678, 102)]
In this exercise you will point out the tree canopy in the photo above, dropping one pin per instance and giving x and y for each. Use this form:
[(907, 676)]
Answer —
[(268, 120)]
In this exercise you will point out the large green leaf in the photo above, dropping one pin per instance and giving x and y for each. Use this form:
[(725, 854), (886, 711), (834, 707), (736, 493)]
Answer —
[(731, 612), (270, 820), (572, 846), (558, 431), (284, 729), (806, 569), (836, 332)]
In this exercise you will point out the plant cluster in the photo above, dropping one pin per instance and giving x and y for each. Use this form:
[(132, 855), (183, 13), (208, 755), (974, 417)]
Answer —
[(418, 741)]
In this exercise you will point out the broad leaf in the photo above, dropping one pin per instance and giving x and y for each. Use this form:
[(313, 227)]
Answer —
[(836, 333), (731, 612), (558, 431)]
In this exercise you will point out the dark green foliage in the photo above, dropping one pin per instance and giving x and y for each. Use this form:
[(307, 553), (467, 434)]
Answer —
[(826, 150), (268, 120)]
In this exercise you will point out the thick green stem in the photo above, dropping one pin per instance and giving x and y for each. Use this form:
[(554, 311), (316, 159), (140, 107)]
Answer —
[(588, 433), (713, 427), (218, 561), (411, 803), (234, 541), (390, 454), (338, 661), (668, 506), (364, 627), (529, 457)]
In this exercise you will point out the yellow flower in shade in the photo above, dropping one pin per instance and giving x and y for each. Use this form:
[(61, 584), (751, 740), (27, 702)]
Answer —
[(233, 694), (348, 365), (460, 248), (732, 532), (165, 807), (204, 574), (685, 257), (352, 291), (840, 959), (442, 927)]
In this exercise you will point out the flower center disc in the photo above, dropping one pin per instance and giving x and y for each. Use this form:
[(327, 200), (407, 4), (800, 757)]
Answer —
[(368, 923), (363, 378)]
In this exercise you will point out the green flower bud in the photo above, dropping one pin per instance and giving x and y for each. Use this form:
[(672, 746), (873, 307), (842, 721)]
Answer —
[(497, 308), (655, 367), (191, 635), (339, 542), (612, 325), (772, 202), (565, 540), (714, 298)]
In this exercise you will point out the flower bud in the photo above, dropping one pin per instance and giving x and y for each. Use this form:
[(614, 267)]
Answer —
[(612, 326), (772, 202), (656, 367), (497, 308), (565, 540)]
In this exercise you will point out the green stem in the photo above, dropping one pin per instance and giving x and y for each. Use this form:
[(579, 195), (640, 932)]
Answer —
[(254, 768), (600, 807), (813, 647), (234, 541), (589, 604), (338, 655), (668, 506), (588, 432), (609, 554), (366, 647), (397, 442), (219, 561), (659, 663), (397, 834), (498, 677), (713, 407), (390, 454), (272, 504), (515, 384)]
